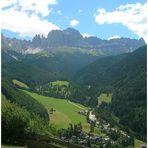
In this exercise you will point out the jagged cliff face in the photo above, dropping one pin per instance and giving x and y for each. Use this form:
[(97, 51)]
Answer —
[(73, 38)]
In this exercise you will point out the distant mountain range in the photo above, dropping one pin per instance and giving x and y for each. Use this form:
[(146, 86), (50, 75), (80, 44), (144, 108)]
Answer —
[(72, 38)]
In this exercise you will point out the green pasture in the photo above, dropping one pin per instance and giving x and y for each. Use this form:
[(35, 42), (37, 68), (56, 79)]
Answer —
[(21, 84), (65, 112), (104, 97), (60, 83)]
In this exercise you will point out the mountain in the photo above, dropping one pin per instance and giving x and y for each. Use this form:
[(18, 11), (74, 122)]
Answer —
[(72, 38), (14, 44), (68, 37), (33, 65), (124, 76)]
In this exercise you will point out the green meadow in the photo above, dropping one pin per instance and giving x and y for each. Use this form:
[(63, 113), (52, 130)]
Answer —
[(60, 83), (104, 97), (65, 111), (21, 84)]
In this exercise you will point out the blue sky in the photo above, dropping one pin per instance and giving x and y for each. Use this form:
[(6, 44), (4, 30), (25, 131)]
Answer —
[(91, 17)]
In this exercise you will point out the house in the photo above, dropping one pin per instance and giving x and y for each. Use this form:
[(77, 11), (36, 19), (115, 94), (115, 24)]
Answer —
[(92, 117)]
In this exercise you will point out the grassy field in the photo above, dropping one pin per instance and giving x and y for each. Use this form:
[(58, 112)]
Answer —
[(65, 111), (105, 98), (60, 83), (137, 143), (21, 84)]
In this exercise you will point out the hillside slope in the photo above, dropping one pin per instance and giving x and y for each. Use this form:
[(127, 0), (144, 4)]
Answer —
[(23, 100), (125, 76), (65, 112), (43, 67), (115, 70)]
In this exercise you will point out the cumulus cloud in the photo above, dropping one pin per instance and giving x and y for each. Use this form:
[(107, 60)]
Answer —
[(114, 37), (34, 6), (74, 23), (133, 16), (26, 17), (25, 25)]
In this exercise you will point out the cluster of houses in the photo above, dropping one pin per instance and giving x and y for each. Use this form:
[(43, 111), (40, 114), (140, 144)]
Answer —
[(101, 140), (87, 140), (104, 126)]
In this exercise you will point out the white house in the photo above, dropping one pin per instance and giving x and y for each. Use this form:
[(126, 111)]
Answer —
[(92, 117)]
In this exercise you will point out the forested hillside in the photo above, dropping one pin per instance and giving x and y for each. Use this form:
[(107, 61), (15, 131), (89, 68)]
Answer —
[(22, 116), (125, 76), (23, 100), (43, 67), (114, 71)]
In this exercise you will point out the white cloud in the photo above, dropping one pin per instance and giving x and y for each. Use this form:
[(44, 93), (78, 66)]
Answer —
[(26, 17), (114, 37), (85, 35), (25, 25), (74, 22), (36, 6), (133, 16)]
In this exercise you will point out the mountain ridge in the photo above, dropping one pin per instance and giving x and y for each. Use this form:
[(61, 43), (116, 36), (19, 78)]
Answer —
[(72, 38)]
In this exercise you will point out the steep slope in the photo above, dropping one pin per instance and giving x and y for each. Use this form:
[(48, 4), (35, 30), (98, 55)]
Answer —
[(43, 67), (23, 100), (115, 70), (17, 69), (125, 76)]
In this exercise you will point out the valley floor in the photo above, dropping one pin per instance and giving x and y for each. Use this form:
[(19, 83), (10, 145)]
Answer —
[(62, 112)]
